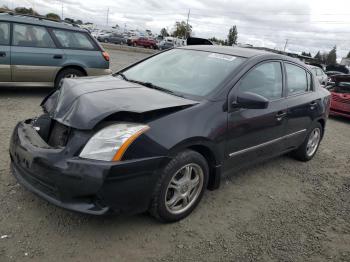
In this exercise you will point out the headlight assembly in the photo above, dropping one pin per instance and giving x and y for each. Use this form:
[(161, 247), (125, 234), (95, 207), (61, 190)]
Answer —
[(110, 143)]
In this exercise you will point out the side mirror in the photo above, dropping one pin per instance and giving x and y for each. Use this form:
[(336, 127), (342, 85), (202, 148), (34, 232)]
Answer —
[(250, 100)]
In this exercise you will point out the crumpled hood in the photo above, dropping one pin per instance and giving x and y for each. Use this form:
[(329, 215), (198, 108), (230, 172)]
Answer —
[(82, 103)]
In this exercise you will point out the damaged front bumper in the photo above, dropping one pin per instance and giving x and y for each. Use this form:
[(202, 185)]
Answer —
[(87, 186)]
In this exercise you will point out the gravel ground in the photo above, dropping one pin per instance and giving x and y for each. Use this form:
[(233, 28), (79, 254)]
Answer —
[(282, 210)]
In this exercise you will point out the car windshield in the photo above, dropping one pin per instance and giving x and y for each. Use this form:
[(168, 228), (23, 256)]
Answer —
[(182, 71)]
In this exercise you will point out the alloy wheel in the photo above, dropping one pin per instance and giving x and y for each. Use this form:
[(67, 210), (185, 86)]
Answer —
[(184, 188), (313, 142)]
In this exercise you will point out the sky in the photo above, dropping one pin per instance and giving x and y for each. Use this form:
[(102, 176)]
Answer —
[(309, 25)]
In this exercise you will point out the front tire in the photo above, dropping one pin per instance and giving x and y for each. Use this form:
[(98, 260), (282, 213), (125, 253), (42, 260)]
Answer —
[(308, 149), (180, 187)]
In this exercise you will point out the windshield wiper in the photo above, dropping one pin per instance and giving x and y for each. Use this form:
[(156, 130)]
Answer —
[(152, 86)]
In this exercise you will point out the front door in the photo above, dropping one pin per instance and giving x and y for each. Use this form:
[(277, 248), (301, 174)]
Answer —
[(5, 52), (34, 55), (255, 134)]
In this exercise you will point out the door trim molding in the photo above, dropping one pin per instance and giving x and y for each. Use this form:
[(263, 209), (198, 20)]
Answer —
[(266, 143)]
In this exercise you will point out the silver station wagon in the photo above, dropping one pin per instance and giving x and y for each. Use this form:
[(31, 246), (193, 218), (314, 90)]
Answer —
[(35, 51)]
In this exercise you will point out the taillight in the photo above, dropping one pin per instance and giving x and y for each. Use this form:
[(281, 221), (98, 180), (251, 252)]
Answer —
[(105, 55)]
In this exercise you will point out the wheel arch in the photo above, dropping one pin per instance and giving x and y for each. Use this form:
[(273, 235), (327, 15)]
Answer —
[(323, 124), (210, 152)]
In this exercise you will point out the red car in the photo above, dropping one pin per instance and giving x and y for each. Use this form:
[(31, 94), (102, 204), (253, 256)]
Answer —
[(143, 41), (340, 90)]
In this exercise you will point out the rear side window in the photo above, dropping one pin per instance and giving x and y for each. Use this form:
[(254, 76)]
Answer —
[(264, 80), (32, 36), (4, 33), (296, 79), (73, 40)]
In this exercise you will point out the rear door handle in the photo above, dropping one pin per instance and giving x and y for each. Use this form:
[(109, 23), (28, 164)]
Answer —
[(57, 57), (280, 115), (2, 54)]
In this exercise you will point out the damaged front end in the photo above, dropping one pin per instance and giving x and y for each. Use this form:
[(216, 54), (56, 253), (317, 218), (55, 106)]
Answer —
[(64, 155)]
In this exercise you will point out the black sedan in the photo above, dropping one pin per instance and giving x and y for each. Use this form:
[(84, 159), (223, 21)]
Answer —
[(157, 134)]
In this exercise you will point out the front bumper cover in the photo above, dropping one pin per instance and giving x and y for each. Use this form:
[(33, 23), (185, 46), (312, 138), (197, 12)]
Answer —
[(87, 186)]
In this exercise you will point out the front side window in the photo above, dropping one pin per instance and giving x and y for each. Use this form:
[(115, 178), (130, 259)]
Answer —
[(4, 33), (265, 80), (32, 36), (296, 79), (73, 40), (189, 72)]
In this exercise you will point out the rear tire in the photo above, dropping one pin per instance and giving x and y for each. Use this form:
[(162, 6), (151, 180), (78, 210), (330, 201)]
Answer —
[(67, 73), (180, 187), (309, 147)]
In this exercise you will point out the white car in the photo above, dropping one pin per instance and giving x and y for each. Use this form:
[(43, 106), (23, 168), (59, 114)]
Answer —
[(320, 74)]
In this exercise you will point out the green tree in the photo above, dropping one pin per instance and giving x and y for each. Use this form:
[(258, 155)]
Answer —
[(217, 41), (332, 57), (26, 11), (164, 32), (306, 54), (318, 57), (4, 8), (182, 29), (69, 20), (232, 36), (53, 16)]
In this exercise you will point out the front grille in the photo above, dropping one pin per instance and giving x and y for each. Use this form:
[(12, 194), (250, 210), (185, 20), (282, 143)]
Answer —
[(341, 99), (59, 135)]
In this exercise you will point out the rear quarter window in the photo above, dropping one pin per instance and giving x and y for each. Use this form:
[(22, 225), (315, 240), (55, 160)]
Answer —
[(73, 40)]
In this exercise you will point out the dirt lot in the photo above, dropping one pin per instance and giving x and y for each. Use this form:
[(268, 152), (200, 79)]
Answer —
[(282, 210)]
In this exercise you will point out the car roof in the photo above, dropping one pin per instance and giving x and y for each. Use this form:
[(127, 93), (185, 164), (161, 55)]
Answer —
[(38, 21), (231, 50)]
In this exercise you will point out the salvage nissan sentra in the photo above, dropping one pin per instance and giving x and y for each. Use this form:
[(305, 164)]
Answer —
[(154, 136)]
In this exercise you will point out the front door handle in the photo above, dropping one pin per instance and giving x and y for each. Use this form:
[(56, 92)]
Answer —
[(313, 105), (2, 54), (280, 115), (57, 57)]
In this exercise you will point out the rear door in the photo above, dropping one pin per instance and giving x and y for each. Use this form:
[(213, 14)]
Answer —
[(255, 134), (5, 52), (34, 55), (303, 103)]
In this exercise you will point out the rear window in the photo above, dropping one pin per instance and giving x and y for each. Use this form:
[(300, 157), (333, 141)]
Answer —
[(4, 33), (73, 40), (32, 36)]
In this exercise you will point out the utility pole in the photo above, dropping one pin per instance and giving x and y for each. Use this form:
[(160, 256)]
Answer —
[(188, 18), (107, 15), (285, 46), (62, 10)]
